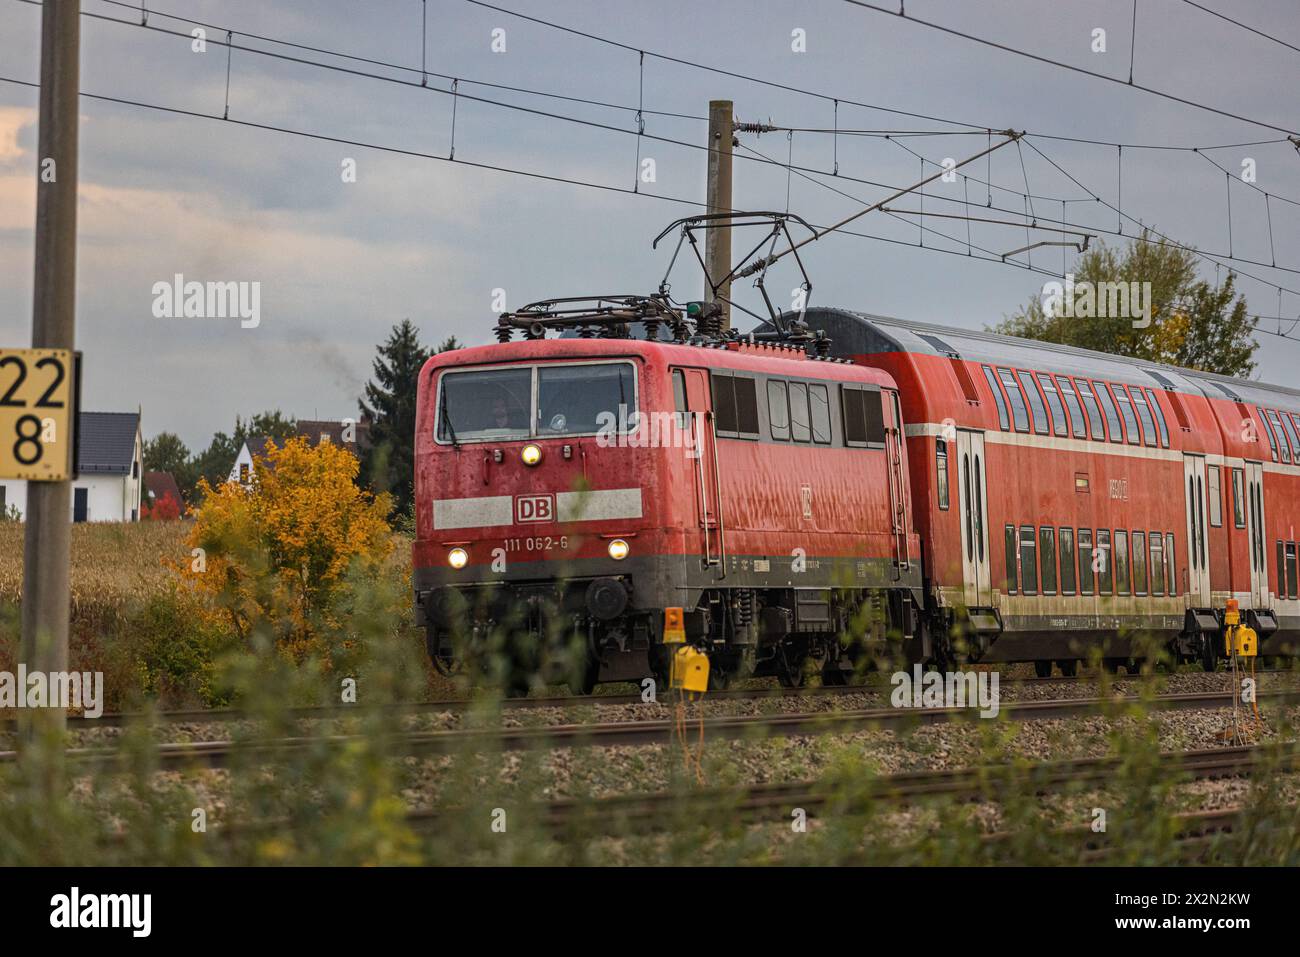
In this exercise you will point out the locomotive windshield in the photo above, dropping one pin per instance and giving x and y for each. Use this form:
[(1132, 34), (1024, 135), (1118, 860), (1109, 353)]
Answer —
[(498, 404)]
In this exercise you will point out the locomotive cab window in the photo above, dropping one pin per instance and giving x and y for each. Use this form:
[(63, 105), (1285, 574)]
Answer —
[(864, 418), (679, 398), (735, 405), (497, 404)]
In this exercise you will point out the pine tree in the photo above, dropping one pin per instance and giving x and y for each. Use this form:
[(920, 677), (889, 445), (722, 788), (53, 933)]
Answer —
[(388, 464)]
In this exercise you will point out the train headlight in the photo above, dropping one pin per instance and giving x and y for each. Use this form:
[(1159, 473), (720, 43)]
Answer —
[(457, 557), (531, 454), (618, 549)]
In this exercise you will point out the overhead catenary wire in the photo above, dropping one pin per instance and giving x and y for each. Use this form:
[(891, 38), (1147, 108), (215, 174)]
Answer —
[(1060, 64)]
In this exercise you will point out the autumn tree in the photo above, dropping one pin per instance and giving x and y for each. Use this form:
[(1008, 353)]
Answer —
[(277, 554), (213, 463), (390, 403), (164, 509), (1193, 324)]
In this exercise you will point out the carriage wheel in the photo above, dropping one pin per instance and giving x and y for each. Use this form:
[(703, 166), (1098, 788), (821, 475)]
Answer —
[(1043, 669)]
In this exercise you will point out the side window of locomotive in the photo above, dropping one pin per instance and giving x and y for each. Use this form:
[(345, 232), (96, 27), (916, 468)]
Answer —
[(1094, 410), (1122, 584), (1104, 563), (941, 472), (819, 399), (1238, 498), (1126, 410), (1035, 403), (800, 426), (863, 416), (1009, 544), (1067, 561), (1112, 415), (1059, 424), (778, 410), (1215, 489), (680, 407), (1029, 559), (1019, 411), (1144, 413), (1003, 422), (1078, 423), (735, 405), (1086, 575)]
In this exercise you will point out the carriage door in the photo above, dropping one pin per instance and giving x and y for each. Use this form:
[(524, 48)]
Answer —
[(1198, 574), (691, 398), (972, 501), (1258, 541)]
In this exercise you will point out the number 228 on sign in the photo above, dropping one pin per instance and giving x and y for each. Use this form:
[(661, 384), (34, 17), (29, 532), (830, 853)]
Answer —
[(36, 413)]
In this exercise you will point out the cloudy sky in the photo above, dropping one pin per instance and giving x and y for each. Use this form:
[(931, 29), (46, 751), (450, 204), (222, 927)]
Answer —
[(416, 236)]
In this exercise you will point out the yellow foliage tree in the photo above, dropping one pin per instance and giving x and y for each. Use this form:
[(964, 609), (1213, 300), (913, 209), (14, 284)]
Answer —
[(277, 553)]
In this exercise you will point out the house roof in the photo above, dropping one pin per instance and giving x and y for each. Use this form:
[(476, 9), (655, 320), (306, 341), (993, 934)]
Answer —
[(257, 445), (313, 429), (106, 442), (158, 485)]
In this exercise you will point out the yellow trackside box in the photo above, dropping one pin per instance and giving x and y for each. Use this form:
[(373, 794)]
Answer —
[(1241, 640), (38, 414), (690, 670)]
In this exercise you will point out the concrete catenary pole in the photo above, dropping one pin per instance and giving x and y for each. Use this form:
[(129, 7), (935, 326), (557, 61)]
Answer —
[(717, 245), (47, 546)]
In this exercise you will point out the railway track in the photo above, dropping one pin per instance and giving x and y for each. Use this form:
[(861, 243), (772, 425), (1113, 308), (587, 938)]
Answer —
[(775, 801), (463, 705), (657, 731)]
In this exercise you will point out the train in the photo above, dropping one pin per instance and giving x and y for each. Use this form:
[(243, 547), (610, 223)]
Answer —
[(836, 488)]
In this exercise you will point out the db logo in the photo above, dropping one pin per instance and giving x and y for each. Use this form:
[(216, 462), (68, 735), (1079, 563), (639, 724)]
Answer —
[(534, 508)]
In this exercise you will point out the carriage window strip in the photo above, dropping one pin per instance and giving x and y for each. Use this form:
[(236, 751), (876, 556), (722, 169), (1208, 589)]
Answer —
[(1009, 547), (1282, 443), (1140, 563), (1059, 424), (1047, 549), (1126, 410), (1078, 421), (1123, 584), (1291, 571), (1289, 429), (1144, 413), (1068, 578), (1028, 560), (1160, 418), (1019, 408), (1238, 498), (1096, 421), (1157, 563), (941, 472), (1041, 426), (1268, 430), (1004, 423), (1171, 561), (1112, 414), (1104, 562), (1087, 577)]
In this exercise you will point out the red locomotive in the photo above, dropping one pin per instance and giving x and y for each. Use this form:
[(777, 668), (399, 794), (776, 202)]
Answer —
[(932, 492)]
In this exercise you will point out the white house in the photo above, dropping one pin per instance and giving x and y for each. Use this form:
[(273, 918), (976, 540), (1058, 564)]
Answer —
[(110, 467), (242, 470)]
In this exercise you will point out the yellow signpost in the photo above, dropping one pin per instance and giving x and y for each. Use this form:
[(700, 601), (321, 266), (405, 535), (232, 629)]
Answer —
[(37, 414)]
